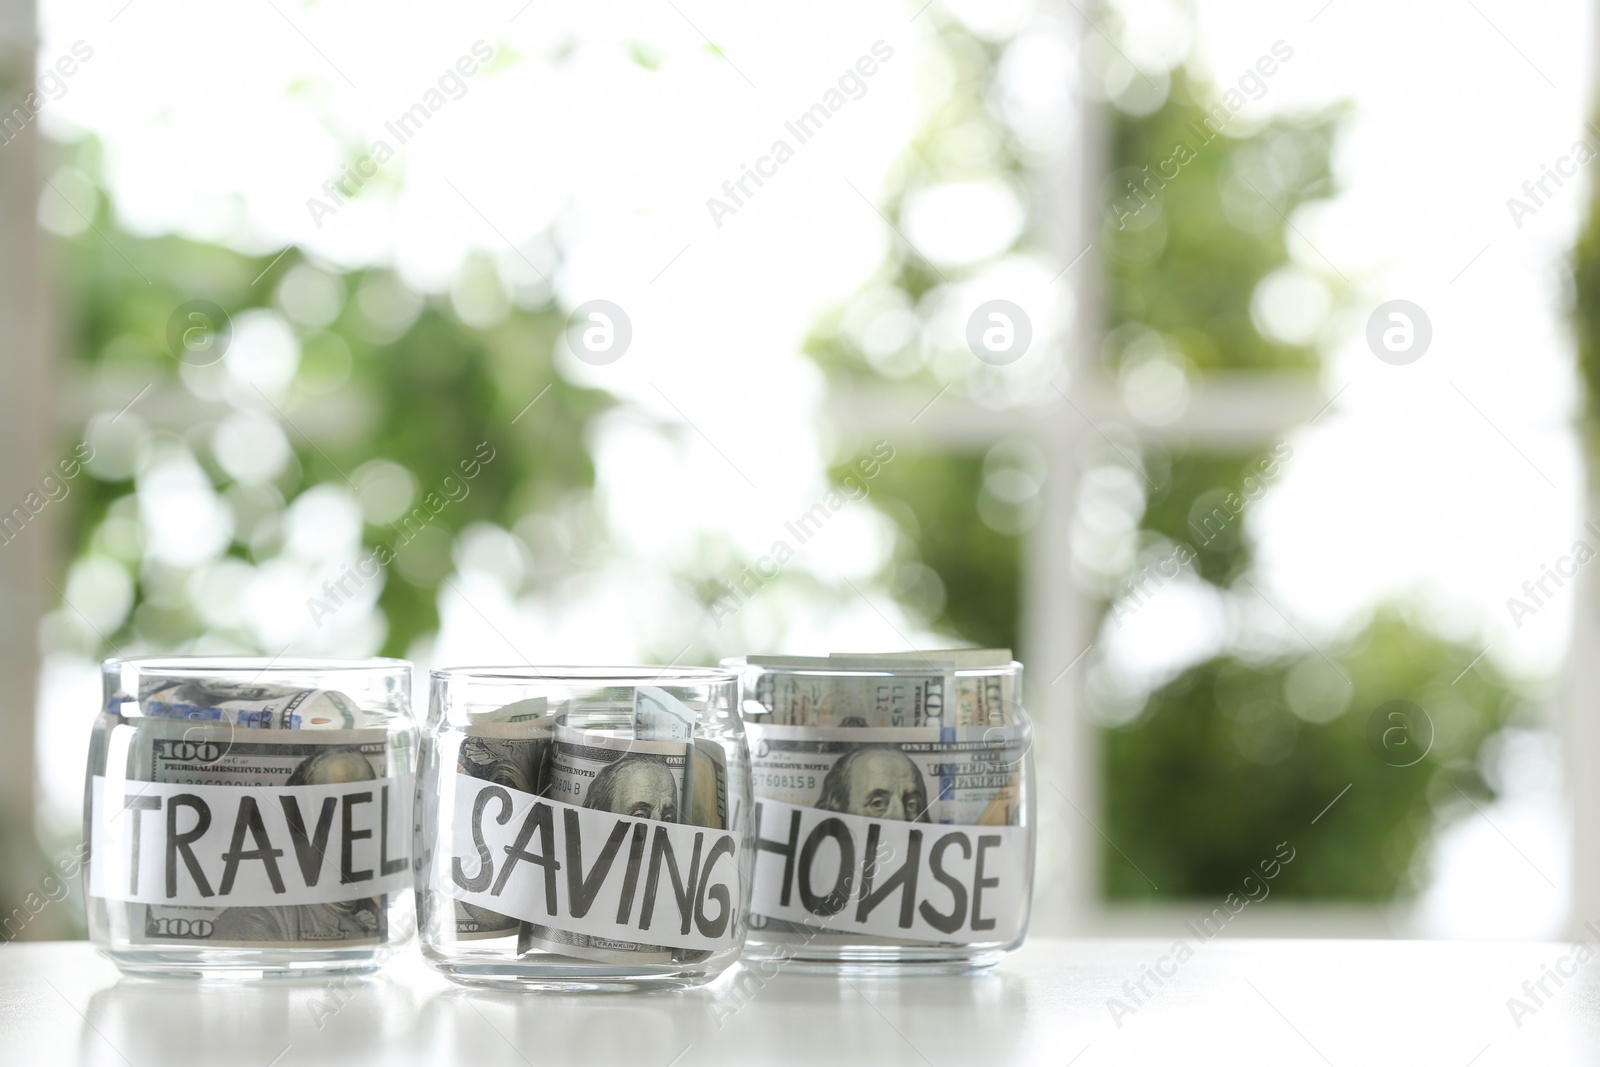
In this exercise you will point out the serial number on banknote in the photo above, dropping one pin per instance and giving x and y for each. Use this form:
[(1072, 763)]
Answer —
[(785, 781), (559, 786)]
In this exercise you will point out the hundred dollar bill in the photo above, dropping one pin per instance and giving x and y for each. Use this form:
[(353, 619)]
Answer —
[(625, 776), (219, 753), (659, 716), (507, 746), (980, 699), (983, 699), (796, 694), (961, 658), (258, 707), (964, 776), (662, 773)]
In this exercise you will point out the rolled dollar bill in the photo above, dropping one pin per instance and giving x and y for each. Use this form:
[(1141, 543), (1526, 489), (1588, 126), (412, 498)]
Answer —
[(981, 699), (961, 658), (662, 773), (507, 746), (625, 776), (660, 716), (956, 775), (795, 692), (256, 707), (206, 754)]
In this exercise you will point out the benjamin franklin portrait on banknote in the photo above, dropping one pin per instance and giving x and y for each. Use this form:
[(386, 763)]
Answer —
[(637, 787), (877, 782)]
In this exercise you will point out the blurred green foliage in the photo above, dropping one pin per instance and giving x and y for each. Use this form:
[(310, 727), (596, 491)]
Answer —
[(960, 140), (1184, 494), (392, 375), (1586, 315), (933, 499), (1186, 242), (1220, 767)]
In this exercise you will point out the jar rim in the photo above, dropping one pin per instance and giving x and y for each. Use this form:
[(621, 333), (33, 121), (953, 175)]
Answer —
[(208, 664), (740, 663), (621, 674)]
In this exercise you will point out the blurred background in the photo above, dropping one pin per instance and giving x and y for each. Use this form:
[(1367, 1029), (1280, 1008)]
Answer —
[(300, 358)]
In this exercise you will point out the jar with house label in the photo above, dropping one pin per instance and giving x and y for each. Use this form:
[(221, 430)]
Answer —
[(893, 811), (583, 827), (250, 817)]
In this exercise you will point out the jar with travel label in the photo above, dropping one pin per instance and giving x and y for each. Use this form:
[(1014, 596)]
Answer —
[(583, 827), (250, 817), (893, 812)]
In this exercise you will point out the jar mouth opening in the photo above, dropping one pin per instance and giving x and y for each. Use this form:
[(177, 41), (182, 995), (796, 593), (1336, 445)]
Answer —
[(562, 675), (263, 665), (740, 663)]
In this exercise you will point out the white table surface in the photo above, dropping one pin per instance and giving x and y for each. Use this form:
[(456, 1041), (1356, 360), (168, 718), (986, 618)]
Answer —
[(1259, 1003)]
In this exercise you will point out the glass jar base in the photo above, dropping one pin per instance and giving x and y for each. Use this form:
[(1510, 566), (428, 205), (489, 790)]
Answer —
[(244, 965), (875, 959), (555, 978)]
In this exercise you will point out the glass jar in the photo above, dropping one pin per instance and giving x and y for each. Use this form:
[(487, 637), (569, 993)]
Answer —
[(894, 802), (583, 827), (250, 817)]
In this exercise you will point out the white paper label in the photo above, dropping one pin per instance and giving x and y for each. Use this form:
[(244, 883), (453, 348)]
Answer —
[(911, 881), (590, 872), (243, 846)]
